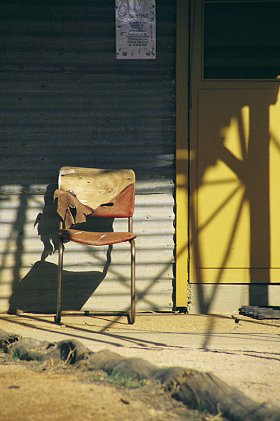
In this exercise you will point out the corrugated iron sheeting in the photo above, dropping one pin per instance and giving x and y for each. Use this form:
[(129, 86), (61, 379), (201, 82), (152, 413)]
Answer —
[(66, 100)]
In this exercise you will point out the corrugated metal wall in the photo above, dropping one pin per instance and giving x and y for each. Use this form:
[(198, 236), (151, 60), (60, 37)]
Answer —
[(66, 100)]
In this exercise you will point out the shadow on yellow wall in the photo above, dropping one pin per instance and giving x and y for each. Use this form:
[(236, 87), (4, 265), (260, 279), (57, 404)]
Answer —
[(235, 174)]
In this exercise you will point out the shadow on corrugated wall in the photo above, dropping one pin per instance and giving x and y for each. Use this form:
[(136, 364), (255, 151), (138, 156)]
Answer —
[(66, 100)]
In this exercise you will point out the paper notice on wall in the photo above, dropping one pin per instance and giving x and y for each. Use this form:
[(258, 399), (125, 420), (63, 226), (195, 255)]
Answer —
[(135, 29)]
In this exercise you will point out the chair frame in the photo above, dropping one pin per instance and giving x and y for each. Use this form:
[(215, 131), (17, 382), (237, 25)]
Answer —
[(132, 311)]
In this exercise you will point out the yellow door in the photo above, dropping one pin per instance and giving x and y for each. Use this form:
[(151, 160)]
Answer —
[(234, 143)]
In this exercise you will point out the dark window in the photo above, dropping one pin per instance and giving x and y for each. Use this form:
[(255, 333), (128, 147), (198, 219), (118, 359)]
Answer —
[(242, 40)]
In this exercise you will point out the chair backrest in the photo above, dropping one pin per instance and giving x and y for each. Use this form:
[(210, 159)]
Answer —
[(110, 193)]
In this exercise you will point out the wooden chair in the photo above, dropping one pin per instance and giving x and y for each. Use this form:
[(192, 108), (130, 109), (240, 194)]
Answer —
[(97, 193)]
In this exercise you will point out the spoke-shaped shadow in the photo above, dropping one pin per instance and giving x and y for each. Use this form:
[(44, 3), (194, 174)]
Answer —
[(245, 154)]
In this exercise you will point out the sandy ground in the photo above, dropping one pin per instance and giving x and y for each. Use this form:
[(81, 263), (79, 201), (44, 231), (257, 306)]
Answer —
[(245, 353), (58, 395)]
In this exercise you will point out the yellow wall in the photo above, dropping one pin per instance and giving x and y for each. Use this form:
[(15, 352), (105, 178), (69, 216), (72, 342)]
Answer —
[(235, 197), (229, 230)]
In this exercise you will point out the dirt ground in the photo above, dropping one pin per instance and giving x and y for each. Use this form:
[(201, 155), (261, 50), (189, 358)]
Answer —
[(245, 354), (45, 393)]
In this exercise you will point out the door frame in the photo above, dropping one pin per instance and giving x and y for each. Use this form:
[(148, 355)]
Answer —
[(182, 154)]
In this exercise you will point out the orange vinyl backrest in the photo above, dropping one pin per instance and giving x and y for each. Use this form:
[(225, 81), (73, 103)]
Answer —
[(110, 193)]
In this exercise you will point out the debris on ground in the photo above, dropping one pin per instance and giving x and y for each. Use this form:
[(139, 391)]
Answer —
[(197, 390)]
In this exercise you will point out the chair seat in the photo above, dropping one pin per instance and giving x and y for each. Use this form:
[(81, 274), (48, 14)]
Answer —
[(95, 238)]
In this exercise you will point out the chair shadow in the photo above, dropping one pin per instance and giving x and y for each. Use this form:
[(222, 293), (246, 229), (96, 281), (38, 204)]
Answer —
[(36, 293)]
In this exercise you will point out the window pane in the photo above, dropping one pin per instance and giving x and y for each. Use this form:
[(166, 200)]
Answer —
[(242, 40)]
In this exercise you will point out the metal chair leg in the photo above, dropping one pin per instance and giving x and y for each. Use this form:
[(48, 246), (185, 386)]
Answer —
[(57, 318), (131, 318)]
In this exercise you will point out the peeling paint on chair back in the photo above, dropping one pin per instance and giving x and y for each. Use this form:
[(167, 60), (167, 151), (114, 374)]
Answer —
[(110, 193)]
